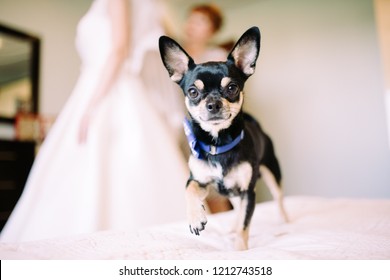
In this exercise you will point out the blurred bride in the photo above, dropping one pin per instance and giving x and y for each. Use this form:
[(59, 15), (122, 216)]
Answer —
[(109, 161)]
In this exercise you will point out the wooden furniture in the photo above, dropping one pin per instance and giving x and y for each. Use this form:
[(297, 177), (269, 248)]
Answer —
[(19, 88), (16, 158)]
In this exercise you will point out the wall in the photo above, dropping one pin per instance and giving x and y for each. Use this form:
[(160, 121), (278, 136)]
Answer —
[(55, 23), (319, 92)]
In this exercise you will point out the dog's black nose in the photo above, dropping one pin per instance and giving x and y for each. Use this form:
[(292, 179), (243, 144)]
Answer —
[(214, 106)]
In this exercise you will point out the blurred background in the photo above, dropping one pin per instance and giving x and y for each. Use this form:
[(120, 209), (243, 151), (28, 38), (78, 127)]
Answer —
[(319, 89)]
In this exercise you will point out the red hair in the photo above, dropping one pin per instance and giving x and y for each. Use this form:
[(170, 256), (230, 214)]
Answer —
[(212, 12)]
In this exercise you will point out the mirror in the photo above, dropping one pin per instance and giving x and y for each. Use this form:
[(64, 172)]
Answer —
[(19, 73)]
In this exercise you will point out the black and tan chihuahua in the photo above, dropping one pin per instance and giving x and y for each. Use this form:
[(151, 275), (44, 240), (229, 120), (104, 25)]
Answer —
[(230, 151)]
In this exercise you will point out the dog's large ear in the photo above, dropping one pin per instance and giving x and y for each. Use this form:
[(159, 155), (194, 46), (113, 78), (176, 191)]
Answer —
[(246, 51), (175, 58)]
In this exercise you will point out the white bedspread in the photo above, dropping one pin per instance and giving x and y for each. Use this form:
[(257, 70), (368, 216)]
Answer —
[(320, 228)]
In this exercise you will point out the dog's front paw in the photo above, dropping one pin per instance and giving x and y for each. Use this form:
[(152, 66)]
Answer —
[(196, 217)]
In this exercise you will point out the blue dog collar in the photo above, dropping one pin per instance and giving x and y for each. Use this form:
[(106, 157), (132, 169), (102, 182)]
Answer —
[(196, 146)]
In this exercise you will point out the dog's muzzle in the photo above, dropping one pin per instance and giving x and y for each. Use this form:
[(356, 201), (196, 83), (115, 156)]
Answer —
[(214, 106)]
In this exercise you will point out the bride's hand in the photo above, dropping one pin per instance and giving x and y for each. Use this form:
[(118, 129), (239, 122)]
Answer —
[(84, 126)]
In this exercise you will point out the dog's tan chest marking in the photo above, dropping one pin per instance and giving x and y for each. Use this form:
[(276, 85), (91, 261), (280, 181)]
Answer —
[(239, 176), (205, 173)]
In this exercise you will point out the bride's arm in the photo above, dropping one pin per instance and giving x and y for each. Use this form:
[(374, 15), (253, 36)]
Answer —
[(120, 40)]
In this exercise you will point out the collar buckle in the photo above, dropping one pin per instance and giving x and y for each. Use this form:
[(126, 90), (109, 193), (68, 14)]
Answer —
[(213, 150)]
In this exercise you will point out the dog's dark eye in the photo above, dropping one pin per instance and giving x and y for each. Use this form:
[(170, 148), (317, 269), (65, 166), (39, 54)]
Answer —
[(232, 90), (193, 93)]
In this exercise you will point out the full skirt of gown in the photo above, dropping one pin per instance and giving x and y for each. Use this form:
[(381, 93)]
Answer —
[(129, 174)]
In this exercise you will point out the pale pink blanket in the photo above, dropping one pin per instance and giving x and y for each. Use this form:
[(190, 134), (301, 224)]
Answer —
[(320, 228)]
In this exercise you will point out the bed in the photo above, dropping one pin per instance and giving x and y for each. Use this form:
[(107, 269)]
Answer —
[(320, 228)]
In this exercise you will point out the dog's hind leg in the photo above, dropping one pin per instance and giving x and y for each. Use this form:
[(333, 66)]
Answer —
[(247, 207), (275, 189)]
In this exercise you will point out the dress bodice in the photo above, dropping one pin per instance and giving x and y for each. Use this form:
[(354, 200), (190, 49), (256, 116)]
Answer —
[(93, 41)]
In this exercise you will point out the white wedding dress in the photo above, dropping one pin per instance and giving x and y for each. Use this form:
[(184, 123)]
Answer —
[(130, 173)]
